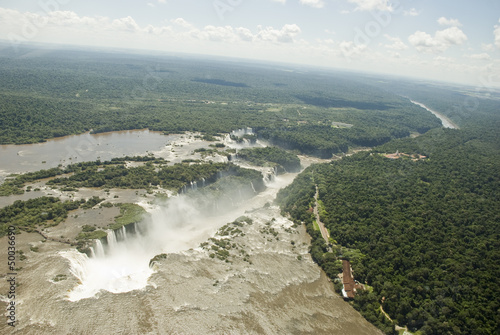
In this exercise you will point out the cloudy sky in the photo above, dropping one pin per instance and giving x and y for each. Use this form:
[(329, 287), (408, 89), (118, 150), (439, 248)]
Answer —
[(449, 40)]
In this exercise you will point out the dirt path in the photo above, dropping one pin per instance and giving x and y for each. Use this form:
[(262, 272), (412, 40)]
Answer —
[(322, 228)]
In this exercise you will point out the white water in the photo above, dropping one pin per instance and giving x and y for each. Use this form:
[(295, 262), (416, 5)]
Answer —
[(111, 239), (123, 264), (99, 251), (124, 233)]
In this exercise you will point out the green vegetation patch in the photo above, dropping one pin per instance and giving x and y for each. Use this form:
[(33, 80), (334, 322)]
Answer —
[(34, 214), (271, 156), (96, 234), (129, 213), (143, 177)]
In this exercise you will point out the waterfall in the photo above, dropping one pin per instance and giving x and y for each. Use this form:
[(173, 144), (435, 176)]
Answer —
[(137, 229), (92, 253), (203, 180), (124, 233), (253, 188), (111, 238), (99, 249), (78, 262)]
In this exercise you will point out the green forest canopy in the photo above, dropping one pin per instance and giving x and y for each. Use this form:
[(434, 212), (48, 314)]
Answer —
[(60, 94), (429, 230)]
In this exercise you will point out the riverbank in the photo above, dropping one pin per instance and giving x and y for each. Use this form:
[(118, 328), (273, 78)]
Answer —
[(447, 123)]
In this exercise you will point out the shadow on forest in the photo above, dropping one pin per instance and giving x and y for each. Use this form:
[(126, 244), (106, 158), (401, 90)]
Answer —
[(220, 82), (330, 102)]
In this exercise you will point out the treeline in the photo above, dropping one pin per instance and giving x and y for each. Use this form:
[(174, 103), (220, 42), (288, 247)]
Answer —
[(174, 177), (36, 213), (424, 234), (114, 174), (319, 137), (54, 96), (15, 183), (285, 160)]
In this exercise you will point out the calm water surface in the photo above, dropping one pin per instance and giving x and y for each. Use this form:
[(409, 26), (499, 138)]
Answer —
[(79, 148)]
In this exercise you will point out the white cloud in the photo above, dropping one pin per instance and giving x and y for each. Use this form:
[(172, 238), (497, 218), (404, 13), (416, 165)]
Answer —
[(280, 1), (313, 3), (411, 12), (217, 34), (244, 33), (452, 36), (182, 23), (423, 41), (382, 5), (481, 56), (394, 54), (283, 35), (397, 44), (449, 22), (126, 31), (441, 59), (487, 47), (441, 41), (351, 50), (496, 32), (125, 24)]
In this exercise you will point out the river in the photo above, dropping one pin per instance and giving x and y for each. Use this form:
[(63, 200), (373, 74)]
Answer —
[(79, 148), (447, 123), (268, 285)]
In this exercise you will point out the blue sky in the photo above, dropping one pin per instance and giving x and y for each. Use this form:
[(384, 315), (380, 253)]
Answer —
[(456, 41)]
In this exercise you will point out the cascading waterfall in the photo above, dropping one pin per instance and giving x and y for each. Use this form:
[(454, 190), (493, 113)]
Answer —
[(137, 229), (253, 188), (124, 233), (111, 238), (123, 264), (99, 248)]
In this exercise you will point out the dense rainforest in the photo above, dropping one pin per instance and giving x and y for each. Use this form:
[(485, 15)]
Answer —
[(271, 156), (423, 234), (69, 92)]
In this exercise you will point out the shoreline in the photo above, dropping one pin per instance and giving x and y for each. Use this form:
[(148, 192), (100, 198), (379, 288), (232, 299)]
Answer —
[(445, 121)]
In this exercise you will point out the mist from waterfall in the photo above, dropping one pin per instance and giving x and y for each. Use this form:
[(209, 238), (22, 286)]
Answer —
[(121, 263)]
